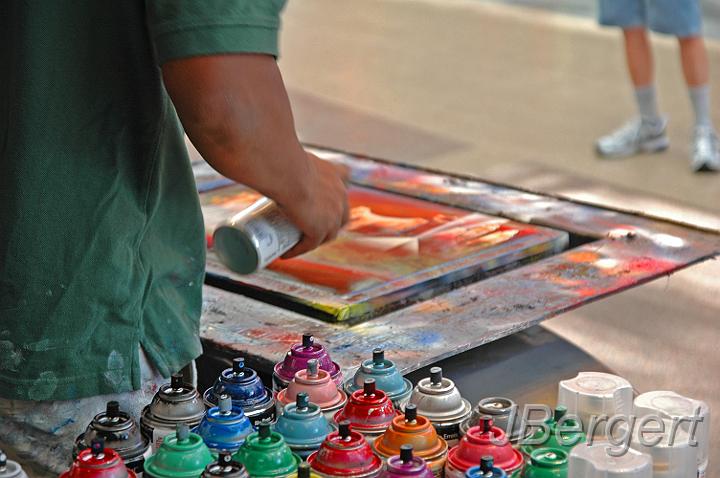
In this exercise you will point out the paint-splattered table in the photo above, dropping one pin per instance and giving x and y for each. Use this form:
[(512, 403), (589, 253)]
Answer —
[(610, 251)]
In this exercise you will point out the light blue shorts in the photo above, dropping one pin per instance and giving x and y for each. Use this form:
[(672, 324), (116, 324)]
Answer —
[(681, 18)]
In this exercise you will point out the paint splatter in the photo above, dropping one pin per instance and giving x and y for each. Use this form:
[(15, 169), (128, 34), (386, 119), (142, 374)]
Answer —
[(43, 387), (115, 373), (10, 356)]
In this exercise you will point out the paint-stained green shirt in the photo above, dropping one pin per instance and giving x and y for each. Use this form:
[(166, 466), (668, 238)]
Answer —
[(101, 240)]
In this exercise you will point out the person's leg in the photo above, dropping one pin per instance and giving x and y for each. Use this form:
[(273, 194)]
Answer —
[(646, 133)]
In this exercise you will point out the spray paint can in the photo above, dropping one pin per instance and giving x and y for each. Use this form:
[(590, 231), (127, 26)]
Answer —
[(369, 411), (387, 377), (175, 402), (317, 384), (98, 462), (406, 465), (487, 469), (438, 399), (417, 431), (504, 413), (266, 455), (547, 463), (673, 406), (120, 432), (225, 427), (671, 452), (9, 468), (254, 237), (345, 453), (182, 454), (303, 426), (246, 390), (595, 394), (297, 359), (593, 461), (480, 441), (225, 467), (564, 438)]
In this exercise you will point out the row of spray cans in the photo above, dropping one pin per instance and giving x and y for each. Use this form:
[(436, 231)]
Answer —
[(373, 424)]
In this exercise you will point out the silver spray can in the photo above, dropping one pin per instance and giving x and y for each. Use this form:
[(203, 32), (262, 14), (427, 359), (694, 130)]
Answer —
[(254, 237), (9, 468), (504, 413), (175, 402)]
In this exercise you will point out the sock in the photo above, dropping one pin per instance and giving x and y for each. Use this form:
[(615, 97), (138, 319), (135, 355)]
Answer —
[(647, 104), (700, 98)]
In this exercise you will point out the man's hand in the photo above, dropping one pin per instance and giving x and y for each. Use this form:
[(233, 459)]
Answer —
[(319, 207), (237, 114)]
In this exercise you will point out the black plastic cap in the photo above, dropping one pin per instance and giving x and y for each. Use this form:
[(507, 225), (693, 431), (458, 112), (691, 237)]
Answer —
[(436, 375), (406, 453), (264, 429), (176, 381), (378, 356), (410, 412), (344, 429), (304, 470), (486, 423), (302, 400), (225, 458), (112, 409), (369, 387), (307, 341), (238, 364), (3, 459), (487, 463), (97, 446), (560, 412)]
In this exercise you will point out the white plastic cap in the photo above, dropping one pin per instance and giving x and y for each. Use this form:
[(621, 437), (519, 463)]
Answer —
[(593, 461), (596, 393), (671, 405), (673, 457)]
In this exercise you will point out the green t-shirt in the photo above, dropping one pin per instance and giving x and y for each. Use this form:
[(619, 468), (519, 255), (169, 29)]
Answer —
[(101, 236)]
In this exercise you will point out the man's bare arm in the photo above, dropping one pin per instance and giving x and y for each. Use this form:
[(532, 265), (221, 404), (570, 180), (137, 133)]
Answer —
[(236, 112)]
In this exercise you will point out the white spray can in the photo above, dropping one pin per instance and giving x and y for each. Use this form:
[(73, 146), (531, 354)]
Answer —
[(254, 237)]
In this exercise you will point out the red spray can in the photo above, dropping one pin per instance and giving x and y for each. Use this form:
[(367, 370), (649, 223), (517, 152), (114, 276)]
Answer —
[(484, 440), (98, 462), (345, 453), (369, 410)]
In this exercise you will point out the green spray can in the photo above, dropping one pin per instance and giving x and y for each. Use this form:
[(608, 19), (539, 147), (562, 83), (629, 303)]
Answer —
[(563, 434), (547, 463), (181, 455), (266, 455)]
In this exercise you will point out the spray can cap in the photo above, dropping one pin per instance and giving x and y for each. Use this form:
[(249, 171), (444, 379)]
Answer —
[(112, 409), (406, 453), (3, 459), (486, 423), (436, 376), (410, 412), (97, 446), (302, 401), (369, 387), (312, 368), (238, 364), (486, 464), (225, 458), (176, 381), (560, 412), (307, 341), (264, 430), (225, 404)]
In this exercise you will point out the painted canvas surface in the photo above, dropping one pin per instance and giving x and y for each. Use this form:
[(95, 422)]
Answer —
[(395, 250)]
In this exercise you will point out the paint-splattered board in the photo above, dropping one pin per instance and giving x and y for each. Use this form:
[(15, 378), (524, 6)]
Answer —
[(395, 250), (628, 250)]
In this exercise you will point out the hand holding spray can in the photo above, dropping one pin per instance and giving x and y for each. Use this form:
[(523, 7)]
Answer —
[(255, 237)]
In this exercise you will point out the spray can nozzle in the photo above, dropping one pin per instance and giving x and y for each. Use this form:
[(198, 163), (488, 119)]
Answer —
[(406, 453), (304, 470), (176, 381), (410, 412), (264, 430), (487, 463), (379, 357), (302, 401), (486, 423), (225, 458), (307, 341), (436, 376), (369, 387), (344, 429), (238, 364), (225, 404), (112, 408), (3, 460), (97, 446), (560, 412), (182, 432), (312, 368)]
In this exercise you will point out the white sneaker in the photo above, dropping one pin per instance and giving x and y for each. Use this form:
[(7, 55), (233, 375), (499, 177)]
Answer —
[(706, 150), (636, 136)]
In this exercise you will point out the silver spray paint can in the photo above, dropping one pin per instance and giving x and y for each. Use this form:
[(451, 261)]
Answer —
[(504, 413), (254, 237), (175, 402), (438, 399), (9, 468)]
